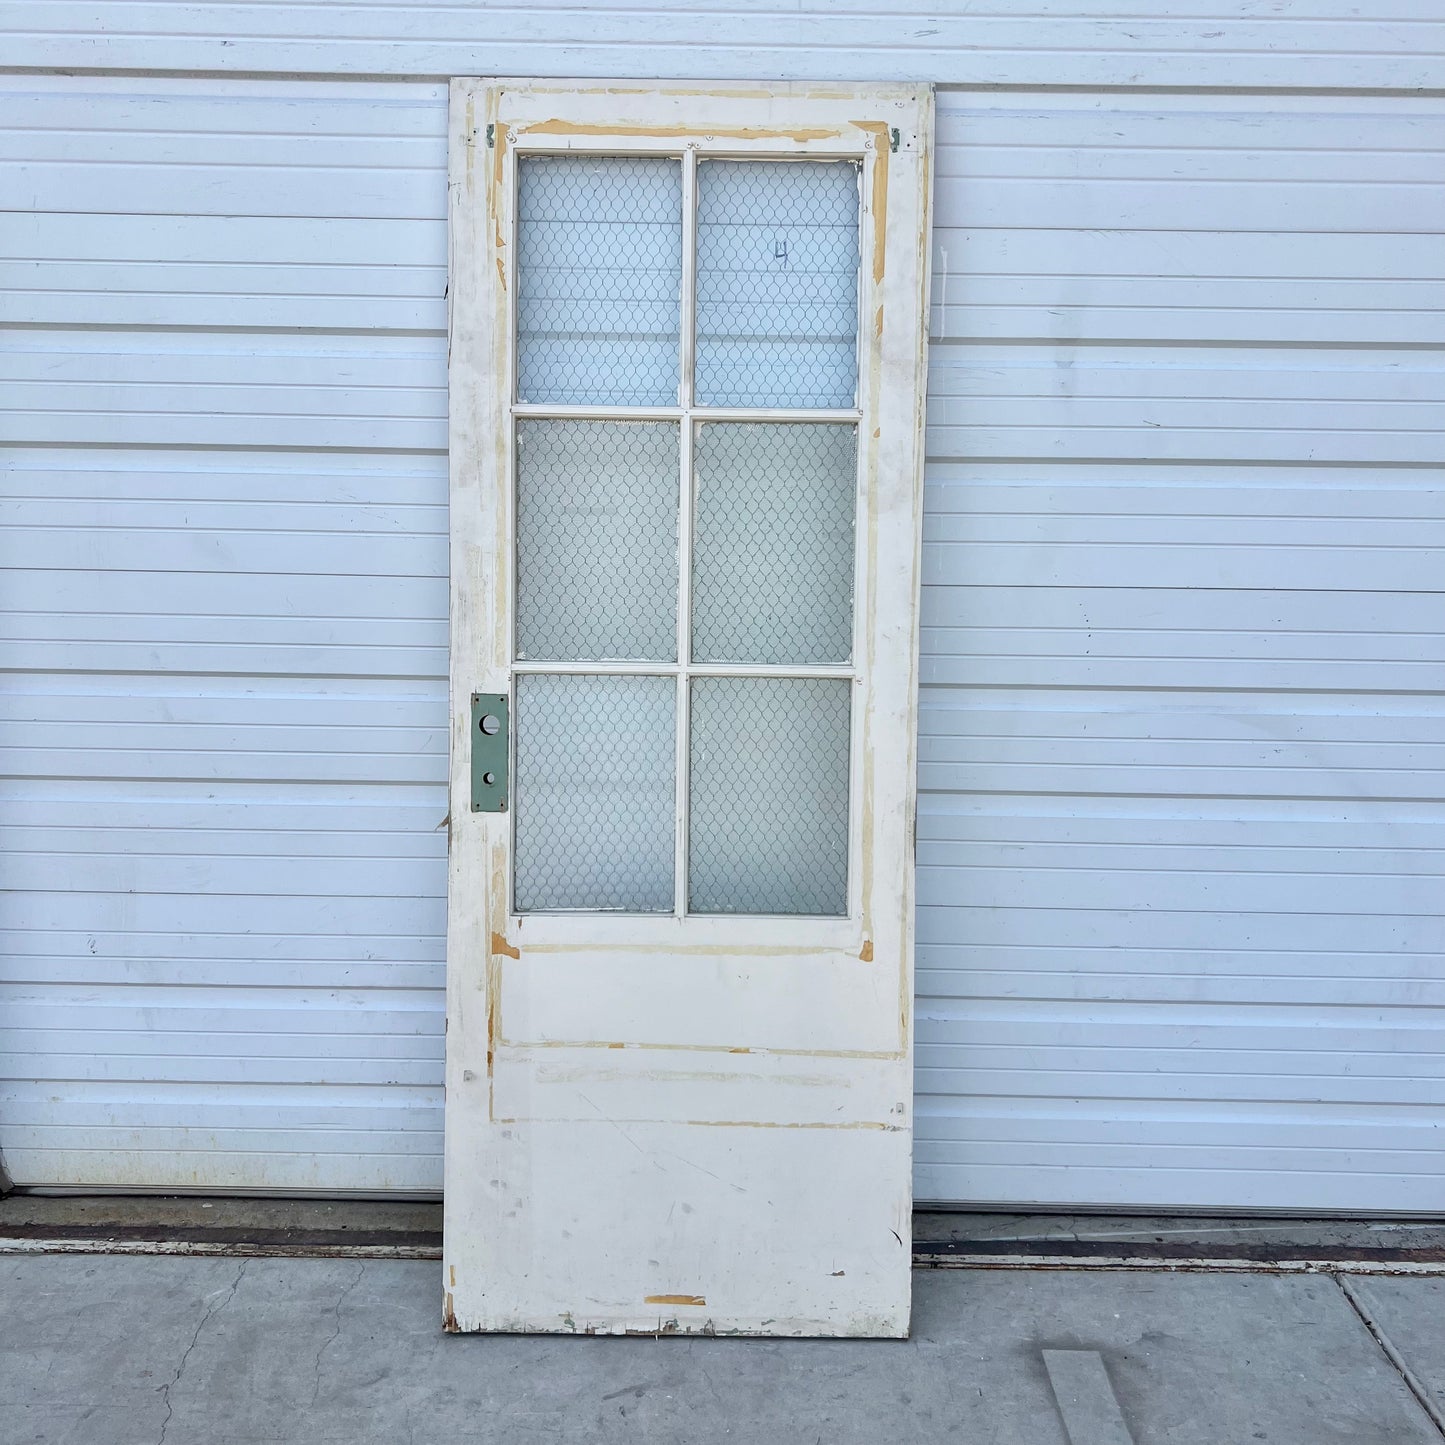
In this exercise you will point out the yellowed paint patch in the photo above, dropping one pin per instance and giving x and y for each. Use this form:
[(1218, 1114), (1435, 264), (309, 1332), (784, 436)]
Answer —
[(499, 151), (879, 129), (668, 132), (674, 1299), (650, 90), (775, 1124)]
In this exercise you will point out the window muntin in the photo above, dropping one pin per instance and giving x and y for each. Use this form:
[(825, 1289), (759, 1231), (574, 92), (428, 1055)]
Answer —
[(756, 585)]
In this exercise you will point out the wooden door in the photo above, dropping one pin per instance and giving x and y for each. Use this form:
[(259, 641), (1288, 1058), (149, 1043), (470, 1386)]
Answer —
[(687, 361)]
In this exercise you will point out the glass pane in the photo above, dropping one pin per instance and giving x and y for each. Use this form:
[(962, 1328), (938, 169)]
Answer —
[(768, 831), (594, 793), (777, 283), (773, 543), (597, 540), (599, 242)]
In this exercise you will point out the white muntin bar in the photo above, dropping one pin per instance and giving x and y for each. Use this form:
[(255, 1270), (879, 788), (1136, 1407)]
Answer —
[(552, 411), (532, 668), (685, 392)]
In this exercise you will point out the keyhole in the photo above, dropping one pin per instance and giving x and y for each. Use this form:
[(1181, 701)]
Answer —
[(490, 724)]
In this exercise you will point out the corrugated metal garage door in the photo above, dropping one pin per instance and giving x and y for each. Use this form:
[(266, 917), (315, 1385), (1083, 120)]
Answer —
[(1178, 936), (227, 746)]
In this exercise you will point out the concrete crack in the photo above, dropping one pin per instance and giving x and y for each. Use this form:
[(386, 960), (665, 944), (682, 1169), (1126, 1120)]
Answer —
[(703, 1370), (211, 1311), (1412, 1382), (335, 1330)]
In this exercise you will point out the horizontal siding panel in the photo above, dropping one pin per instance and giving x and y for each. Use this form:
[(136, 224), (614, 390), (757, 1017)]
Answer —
[(176, 389), (1226, 43), (1141, 927), (328, 483), (229, 877), (297, 914), (1185, 976), (243, 659), (407, 1139), (196, 1161), (1104, 564), (1131, 1181), (943, 882), (309, 974), (177, 548), (75, 1069), (1080, 1078), (189, 600), (190, 1048)]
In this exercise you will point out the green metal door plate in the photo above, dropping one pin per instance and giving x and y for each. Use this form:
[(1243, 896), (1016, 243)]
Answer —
[(489, 752)]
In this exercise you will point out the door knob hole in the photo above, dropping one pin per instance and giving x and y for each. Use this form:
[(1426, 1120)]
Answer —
[(490, 724)]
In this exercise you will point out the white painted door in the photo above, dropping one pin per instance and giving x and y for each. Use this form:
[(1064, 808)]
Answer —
[(686, 390)]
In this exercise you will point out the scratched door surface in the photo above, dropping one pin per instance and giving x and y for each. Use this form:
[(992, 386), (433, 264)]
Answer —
[(686, 369)]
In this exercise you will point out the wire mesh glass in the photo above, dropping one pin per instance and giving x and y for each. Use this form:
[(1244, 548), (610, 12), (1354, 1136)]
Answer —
[(773, 542), (777, 283), (595, 793), (597, 541), (768, 800), (599, 242)]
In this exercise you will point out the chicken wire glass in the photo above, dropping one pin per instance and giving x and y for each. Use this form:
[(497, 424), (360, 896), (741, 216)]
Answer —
[(599, 241), (772, 560), (777, 283), (597, 541), (594, 793), (768, 801)]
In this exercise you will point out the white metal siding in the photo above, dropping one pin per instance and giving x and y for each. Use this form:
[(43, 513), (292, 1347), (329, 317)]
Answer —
[(1304, 44), (226, 737), (1179, 934)]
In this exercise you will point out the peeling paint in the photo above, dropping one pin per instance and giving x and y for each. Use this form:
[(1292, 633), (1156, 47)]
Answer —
[(762, 1050), (879, 130), (865, 953), (799, 135), (674, 1299)]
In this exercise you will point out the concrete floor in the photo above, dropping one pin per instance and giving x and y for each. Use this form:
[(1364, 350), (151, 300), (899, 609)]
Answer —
[(118, 1350)]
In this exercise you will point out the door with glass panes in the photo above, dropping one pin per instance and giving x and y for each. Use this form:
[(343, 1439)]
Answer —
[(686, 369)]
